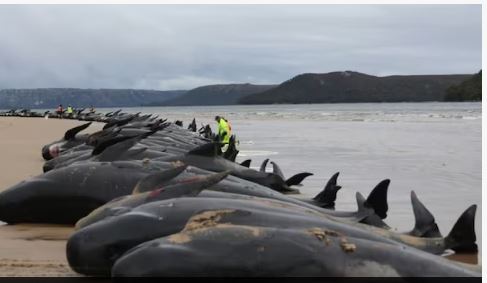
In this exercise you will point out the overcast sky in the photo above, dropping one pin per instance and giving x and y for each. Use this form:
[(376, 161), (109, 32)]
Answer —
[(180, 47)]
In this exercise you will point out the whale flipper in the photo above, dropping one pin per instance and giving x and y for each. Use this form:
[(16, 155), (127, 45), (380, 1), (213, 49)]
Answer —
[(190, 187), (114, 151), (462, 236), (326, 198), (156, 180), (246, 163), (297, 179), (425, 224), (71, 133)]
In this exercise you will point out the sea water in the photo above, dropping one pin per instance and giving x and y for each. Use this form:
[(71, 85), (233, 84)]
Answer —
[(431, 148)]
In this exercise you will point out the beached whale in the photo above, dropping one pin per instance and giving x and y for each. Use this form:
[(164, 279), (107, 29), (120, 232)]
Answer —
[(66, 194), (181, 174), (205, 157), (188, 187), (250, 251)]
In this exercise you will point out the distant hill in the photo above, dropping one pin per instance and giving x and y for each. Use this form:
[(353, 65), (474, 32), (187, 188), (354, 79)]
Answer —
[(350, 86), (225, 94), (51, 97), (468, 90)]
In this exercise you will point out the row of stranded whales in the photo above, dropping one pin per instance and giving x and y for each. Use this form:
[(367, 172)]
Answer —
[(151, 198)]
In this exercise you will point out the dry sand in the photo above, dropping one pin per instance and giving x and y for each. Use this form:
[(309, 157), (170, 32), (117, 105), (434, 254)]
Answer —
[(31, 250)]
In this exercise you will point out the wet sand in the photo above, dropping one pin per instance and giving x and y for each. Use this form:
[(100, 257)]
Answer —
[(27, 249)]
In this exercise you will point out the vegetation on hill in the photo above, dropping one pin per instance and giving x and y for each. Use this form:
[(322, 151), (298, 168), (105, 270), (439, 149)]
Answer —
[(338, 87), (225, 94), (468, 90)]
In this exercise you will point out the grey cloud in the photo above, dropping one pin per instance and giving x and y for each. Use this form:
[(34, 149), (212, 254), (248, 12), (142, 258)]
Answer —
[(184, 46)]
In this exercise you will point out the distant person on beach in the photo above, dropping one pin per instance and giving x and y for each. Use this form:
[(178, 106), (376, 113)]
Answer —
[(224, 130), (59, 110), (69, 111)]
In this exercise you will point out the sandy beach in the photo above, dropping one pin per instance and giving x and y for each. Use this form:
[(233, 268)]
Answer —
[(26, 249)]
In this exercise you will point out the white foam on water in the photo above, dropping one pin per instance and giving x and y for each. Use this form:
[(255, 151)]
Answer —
[(248, 153)]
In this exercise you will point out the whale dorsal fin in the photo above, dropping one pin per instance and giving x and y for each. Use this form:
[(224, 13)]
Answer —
[(462, 237), (277, 170), (425, 224), (71, 133), (328, 195), (377, 199), (263, 165), (297, 179), (246, 163)]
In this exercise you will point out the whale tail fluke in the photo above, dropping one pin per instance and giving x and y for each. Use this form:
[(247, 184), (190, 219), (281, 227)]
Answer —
[(425, 225), (462, 236), (232, 151), (326, 198)]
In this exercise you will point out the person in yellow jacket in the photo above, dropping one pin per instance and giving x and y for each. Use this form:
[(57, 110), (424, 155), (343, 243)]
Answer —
[(69, 110), (224, 130)]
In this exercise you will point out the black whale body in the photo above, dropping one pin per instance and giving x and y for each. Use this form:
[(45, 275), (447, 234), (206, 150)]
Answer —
[(262, 251)]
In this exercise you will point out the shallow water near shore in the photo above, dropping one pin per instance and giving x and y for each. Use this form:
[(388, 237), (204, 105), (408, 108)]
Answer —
[(432, 148)]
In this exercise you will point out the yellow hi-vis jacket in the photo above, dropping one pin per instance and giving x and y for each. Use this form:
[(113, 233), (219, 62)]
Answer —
[(223, 131), (70, 110)]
